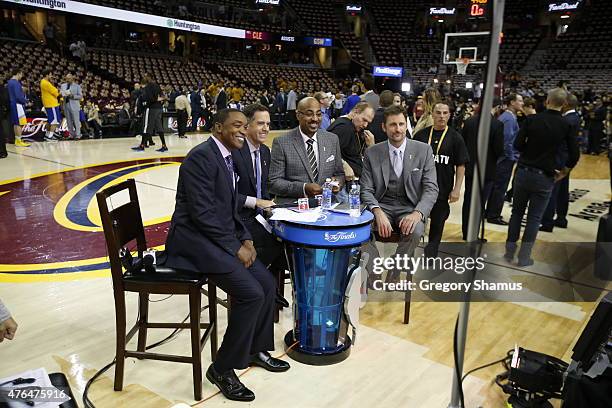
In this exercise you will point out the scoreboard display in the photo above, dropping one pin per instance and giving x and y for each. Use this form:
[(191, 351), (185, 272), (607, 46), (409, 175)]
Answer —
[(478, 8)]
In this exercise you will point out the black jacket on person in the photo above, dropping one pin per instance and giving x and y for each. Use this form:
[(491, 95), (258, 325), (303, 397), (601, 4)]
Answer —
[(376, 126), (221, 100), (150, 95), (496, 145), (540, 139), (124, 118), (352, 144)]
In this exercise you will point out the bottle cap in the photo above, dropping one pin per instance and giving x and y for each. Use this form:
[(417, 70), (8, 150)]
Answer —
[(328, 179)]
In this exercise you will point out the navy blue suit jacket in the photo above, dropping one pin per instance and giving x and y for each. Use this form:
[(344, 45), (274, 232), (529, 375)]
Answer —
[(206, 232), (246, 186)]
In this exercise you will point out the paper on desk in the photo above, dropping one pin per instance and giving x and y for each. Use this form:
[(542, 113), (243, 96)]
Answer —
[(284, 214), (42, 380)]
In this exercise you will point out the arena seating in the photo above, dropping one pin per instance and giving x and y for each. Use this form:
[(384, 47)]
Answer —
[(166, 70), (317, 16), (351, 43), (515, 49), (33, 58), (231, 13)]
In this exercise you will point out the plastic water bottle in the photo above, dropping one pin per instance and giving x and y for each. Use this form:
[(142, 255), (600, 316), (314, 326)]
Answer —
[(327, 194), (354, 199)]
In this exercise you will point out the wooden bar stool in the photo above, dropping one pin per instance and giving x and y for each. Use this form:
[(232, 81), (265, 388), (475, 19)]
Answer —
[(123, 225), (395, 238)]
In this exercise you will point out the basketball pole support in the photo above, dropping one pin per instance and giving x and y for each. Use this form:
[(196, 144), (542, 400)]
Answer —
[(475, 207)]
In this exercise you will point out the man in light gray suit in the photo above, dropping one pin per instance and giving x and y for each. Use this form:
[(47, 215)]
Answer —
[(398, 184), (72, 94), (304, 157)]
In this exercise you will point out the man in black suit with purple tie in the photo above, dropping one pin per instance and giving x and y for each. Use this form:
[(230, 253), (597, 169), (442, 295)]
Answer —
[(206, 235)]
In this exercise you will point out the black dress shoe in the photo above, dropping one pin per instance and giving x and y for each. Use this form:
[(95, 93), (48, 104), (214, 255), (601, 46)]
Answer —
[(546, 228), (263, 359), (561, 223), (497, 221), (281, 301), (229, 385)]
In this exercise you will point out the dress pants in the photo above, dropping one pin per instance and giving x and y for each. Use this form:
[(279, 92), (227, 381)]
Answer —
[(406, 245), (487, 188), (533, 189), (269, 250), (503, 174), (558, 203), (195, 117), (437, 218), (250, 328), (181, 121), (73, 120)]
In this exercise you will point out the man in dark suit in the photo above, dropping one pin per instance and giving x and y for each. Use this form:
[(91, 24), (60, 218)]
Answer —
[(559, 198), (206, 235), (221, 101), (195, 100), (252, 164), (304, 157), (280, 106), (495, 151)]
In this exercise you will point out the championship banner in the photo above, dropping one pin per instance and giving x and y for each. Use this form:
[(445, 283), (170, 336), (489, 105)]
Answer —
[(130, 16)]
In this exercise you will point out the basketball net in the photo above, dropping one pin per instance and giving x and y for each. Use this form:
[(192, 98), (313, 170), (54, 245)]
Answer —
[(462, 64)]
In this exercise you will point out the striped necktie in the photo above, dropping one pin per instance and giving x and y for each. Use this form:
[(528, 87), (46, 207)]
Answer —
[(312, 159)]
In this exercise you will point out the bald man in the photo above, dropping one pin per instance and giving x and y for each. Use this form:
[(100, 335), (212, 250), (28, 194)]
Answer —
[(304, 157)]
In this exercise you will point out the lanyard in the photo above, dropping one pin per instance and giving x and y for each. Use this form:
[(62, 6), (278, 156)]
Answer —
[(441, 138)]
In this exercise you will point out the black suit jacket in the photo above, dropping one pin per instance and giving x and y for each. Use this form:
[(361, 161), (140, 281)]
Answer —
[(265, 101), (246, 186), (496, 145), (376, 126), (206, 232), (221, 100)]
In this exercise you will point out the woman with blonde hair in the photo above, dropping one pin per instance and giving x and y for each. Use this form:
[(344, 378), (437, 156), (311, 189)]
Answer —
[(431, 97)]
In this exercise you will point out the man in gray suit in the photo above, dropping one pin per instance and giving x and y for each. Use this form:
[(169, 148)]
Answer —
[(72, 94), (398, 184), (304, 157)]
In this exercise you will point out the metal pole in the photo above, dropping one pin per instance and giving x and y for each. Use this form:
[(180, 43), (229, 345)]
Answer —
[(475, 207)]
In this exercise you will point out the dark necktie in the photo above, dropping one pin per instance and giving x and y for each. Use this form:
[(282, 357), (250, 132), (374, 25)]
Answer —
[(257, 173), (312, 159), (230, 167)]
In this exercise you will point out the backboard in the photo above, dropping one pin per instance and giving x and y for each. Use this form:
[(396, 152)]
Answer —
[(473, 46)]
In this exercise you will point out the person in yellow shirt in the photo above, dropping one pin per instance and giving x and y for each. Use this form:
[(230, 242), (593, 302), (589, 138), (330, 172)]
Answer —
[(48, 95), (237, 93)]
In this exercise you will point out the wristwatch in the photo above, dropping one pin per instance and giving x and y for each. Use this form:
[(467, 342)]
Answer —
[(422, 216)]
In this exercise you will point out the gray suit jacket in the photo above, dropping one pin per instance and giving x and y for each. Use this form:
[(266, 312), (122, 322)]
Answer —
[(289, 167), (73, 102), (419, 175)]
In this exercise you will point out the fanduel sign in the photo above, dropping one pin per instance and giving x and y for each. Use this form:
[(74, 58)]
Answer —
[(433, 11), (131, 16), (268, 2), (563, 6), (396, 72)]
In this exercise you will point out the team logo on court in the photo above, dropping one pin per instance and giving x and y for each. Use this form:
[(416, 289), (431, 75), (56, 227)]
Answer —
[(51, 223)]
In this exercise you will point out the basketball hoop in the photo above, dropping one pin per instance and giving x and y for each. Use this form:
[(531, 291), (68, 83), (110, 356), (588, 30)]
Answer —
[(462, 65)]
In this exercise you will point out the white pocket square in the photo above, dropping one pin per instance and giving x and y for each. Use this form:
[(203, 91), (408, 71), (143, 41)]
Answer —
[(330, 158), (416, 169)]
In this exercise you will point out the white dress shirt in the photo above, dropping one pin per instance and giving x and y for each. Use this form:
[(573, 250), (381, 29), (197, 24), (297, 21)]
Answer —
[(225, 152), (251, 202)]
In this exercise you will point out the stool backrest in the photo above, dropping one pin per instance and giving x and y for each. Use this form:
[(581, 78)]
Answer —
[(121, 225)]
